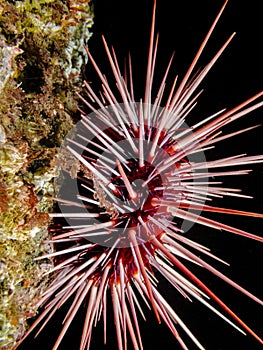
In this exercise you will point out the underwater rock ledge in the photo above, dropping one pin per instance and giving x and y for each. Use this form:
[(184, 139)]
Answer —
[(41, 59)]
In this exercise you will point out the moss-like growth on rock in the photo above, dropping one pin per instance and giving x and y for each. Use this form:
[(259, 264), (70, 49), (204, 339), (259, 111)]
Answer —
[(41, 57)]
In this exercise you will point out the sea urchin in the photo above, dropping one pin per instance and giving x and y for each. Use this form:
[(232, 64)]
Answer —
[(143, 180)]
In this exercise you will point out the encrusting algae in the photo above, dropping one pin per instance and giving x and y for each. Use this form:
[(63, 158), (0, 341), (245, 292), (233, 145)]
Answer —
[(41, 57)]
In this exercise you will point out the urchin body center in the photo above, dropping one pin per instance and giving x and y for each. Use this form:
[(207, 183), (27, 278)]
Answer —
[(142, 193), (136, 187)]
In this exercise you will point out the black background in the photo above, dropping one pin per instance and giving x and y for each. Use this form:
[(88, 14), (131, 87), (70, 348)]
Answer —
[(236, 76)]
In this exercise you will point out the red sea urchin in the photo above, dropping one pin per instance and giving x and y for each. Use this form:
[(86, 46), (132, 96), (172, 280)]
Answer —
[(143, 181)]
